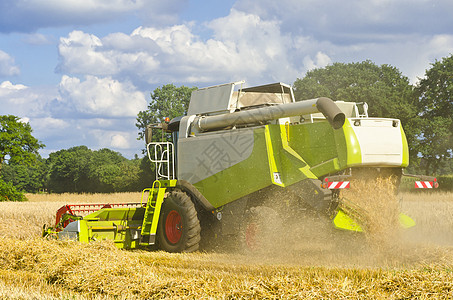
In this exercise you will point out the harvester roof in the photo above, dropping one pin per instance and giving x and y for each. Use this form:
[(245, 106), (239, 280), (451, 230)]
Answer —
[(223, 98)]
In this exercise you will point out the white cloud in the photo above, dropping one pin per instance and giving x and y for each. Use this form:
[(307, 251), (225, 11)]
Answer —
[(7, 65), (38, 39), (96, 112), (422, 52), (321, 60), (249, 46), (243, 46), (119, 141), (79, 55), (115, 139), (440, 44), (7, 87), (102, 96), (21, 100), (24, 120), (50, 122), (254, 47), (53, 130), (64, 133), (117, 54)]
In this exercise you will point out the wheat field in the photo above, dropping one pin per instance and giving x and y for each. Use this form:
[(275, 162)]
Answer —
[(323, 263)]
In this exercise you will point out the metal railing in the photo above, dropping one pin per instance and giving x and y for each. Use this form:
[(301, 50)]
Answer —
[(163, 155)]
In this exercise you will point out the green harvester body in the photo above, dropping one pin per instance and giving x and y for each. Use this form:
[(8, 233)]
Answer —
[(242, 148)]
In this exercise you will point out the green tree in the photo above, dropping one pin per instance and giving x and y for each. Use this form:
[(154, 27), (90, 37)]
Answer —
[(30, 179), (105, 167), (129, 177), (146, 173), (9, 193), (69, 170), (16, 141), (167, 101), (82, 170), (387, 92), (435, 95)]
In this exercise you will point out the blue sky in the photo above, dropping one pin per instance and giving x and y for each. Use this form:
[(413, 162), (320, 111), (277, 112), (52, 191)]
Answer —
[(80, 70)]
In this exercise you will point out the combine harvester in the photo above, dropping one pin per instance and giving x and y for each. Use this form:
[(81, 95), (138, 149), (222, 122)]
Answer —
[(246, 153)]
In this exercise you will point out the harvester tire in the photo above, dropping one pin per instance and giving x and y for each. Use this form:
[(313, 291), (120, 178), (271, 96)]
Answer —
[(179, 227), (260, 231)]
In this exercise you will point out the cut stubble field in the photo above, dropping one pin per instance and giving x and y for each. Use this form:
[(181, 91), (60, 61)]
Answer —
[(313, 261)]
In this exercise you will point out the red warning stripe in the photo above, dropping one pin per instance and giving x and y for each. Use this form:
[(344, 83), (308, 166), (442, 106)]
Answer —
[(424, 184), (338, 185)]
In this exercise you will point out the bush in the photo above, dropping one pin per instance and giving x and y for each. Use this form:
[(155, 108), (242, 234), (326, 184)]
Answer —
[(9, 193), (445, 183), (407, 184)]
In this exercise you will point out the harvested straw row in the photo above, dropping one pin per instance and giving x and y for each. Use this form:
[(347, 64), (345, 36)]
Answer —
[(100, 270)]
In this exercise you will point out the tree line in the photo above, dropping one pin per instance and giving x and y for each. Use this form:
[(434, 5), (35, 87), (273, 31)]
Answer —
[(81, 170), (425, 110)]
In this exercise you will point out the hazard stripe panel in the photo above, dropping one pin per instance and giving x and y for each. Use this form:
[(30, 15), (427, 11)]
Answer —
[(338, 185), (423, 185)]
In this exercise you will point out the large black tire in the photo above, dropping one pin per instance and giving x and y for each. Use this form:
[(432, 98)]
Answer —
[(260, 231), (179, 227)]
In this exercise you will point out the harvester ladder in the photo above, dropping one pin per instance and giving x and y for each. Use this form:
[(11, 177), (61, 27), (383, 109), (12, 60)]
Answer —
[(151, 216)]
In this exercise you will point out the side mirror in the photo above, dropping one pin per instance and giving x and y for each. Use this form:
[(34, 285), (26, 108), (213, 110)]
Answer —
[(148, 134)]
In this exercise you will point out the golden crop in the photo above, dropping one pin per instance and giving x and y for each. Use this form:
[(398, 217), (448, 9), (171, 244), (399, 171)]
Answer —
[(327, 264)]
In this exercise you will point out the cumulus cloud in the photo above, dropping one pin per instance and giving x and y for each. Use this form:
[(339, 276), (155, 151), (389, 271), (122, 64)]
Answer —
[(407, 34), (49, 122), (7, 65), (31, 15), (239, 48), (52, 130), (23, 101), (116, 138), (102, 96), (254, 46), (116, 54), (321, 60), (96, 112), (80, 55), (119, 141), (7, 87), (31, 105)]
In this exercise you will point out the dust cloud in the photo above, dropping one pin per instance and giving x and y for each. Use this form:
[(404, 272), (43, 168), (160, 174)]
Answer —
[(311, 240)]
